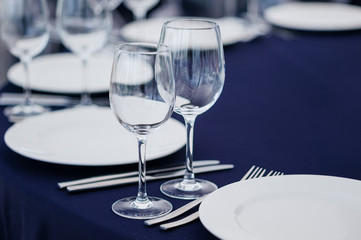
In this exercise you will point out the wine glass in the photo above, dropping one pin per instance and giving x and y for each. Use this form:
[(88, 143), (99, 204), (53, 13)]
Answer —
[(142, 98), (198, 65), (25, 31), (140, 8), (256, 25), (84, 30)]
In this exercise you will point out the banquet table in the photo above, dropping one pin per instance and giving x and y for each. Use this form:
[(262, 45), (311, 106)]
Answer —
[(288, 104)]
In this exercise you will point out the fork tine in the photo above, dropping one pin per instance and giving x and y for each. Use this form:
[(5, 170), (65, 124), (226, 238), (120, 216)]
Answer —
[(253, 173), (262, 173), (258, 173), (270, 173)]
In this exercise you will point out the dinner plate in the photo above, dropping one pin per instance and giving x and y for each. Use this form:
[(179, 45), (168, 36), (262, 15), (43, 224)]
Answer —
[(296, 207), (88, 136), (62, 73), (315, 16), (233, 30)]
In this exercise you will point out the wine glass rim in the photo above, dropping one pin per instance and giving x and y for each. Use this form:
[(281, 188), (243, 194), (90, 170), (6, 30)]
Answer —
[(212, 24), (157, 47)]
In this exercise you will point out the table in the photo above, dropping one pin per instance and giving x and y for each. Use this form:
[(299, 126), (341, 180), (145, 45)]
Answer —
[(291, 105)]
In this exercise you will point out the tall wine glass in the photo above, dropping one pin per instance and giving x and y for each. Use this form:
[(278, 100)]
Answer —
[(142, 98), (140, 7), (25, 31), (198, 65), (84, 30)]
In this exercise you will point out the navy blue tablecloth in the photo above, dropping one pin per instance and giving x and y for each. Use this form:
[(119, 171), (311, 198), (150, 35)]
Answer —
[(291, 105)]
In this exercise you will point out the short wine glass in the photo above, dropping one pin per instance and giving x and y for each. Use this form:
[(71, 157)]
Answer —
[(84, 29), (142, 98), (25, 31), (199, 72), (140, 8)]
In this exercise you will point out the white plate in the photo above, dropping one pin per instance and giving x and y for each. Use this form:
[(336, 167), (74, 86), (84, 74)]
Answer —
[(315, 16), (233, 30), (296, 207), (88, 136), (61, 73)]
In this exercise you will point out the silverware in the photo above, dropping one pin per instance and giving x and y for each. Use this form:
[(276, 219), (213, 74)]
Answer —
[(46, 100), (180, 222), (253, 172), (62, 185), (42, 99), (175, 213), (157, 176)]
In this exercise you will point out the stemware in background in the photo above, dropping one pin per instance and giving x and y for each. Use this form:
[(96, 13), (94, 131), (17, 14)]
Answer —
[(255, 23), (198, 65), (113, 4), (84, 29), (142, 98), (25, 31), (140, 8)]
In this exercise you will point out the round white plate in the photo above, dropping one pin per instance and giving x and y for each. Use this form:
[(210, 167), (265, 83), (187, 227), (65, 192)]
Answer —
[(62, 73), (315, 16), (88, 136), (296, 207), (233, 30)]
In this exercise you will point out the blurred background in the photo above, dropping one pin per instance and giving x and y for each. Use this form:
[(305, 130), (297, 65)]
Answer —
[(123, 15)]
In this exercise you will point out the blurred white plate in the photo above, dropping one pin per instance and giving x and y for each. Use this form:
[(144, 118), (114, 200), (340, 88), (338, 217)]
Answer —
[(62, 73), (233, 30), (296, 207), (315, 16), (88, 136)]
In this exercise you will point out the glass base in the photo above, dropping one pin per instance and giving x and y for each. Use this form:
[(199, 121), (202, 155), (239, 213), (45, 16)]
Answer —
[(19, 112), (181, 189), (257, 27), (130, 208)]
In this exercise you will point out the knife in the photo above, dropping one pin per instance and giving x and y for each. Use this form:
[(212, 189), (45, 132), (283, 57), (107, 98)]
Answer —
[(42, 99), (157, 176), (62, 185), (46, 100)]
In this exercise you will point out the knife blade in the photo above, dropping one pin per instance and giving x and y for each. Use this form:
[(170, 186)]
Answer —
[(7, 99), (157, 176), (198, 163), (42, 99)]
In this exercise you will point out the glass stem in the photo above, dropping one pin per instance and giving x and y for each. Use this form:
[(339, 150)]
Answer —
[(27, 89), (85, 97), (189, 175), (142, 200), (140, 14), (253, 9)]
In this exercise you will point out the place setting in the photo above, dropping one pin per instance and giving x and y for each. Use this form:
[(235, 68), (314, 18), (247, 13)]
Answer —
[(175, 70), (142, 96), (59, 73)]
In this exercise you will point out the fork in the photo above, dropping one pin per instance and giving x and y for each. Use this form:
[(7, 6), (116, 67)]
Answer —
[(253, 172)]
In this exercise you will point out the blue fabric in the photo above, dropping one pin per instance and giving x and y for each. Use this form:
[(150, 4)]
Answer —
[(293, 106)]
